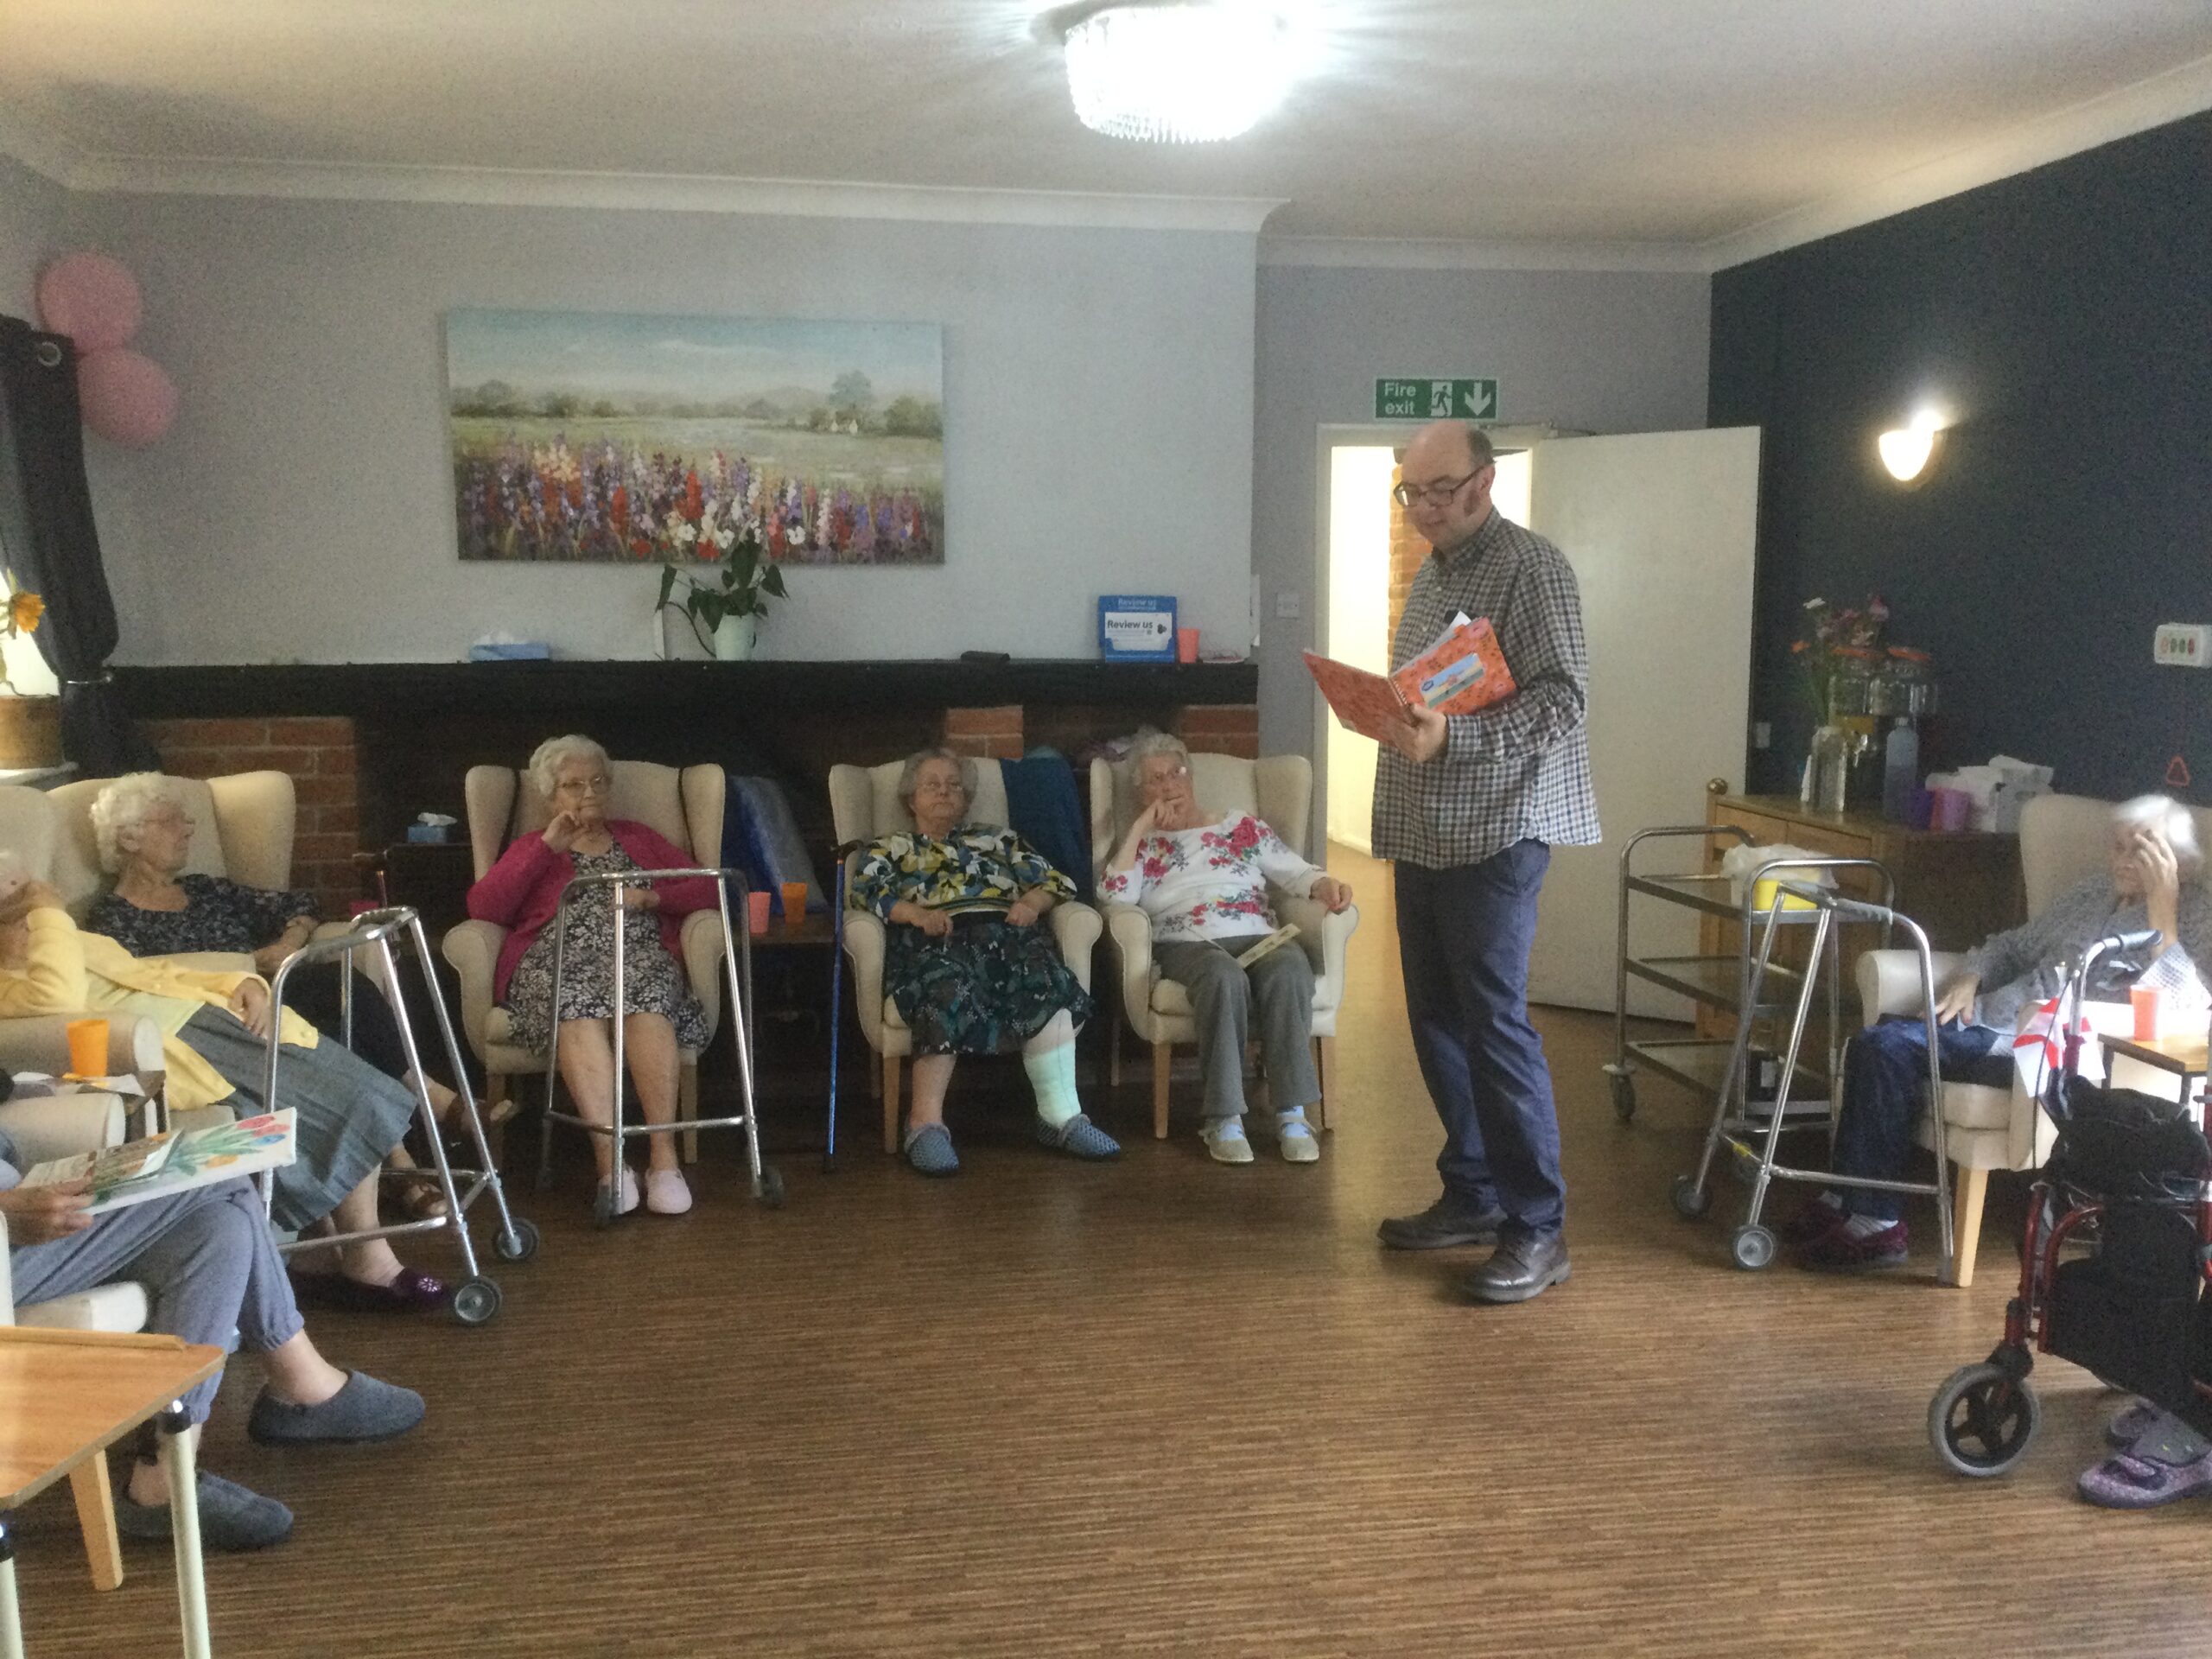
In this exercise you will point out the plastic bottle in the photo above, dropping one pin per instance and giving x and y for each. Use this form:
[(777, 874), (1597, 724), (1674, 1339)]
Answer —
[(1900, 771)]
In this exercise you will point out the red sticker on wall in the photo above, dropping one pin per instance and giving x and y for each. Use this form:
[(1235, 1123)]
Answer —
[(2176, 773)]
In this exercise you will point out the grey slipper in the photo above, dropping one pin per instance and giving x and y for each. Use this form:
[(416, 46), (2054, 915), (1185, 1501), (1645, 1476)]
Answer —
[(232, 1516), (929, 1149), (365, 1410), (1079, 1138)]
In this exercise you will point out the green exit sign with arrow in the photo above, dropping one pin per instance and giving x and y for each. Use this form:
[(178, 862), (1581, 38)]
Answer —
[(1415, 399)]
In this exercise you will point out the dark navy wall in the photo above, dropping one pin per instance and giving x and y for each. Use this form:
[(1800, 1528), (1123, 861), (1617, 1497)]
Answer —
[(2064, 318)]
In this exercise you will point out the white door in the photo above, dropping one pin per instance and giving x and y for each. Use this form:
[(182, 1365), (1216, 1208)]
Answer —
[(1661, 529), (1360, 476)]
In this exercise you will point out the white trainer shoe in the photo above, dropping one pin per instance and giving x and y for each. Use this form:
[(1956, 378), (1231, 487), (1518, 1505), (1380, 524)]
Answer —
[(1225, 1141), (1294, 1135)]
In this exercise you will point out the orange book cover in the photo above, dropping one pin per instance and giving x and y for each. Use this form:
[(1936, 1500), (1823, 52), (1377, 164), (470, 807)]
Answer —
[(1463, 672)]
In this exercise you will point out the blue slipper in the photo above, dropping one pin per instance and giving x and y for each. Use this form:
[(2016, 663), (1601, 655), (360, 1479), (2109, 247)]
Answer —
[(1079, 1138), (232, 1516), (364, 1410), (929, 1149)]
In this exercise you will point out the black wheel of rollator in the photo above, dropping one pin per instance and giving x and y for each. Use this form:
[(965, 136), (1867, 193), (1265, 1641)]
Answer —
[(1753, 1246), (520, 1245), (1690, 1200), (1982, 1418), (769, 1189), (602, 1205), (475, 1302), (1624, 1097)]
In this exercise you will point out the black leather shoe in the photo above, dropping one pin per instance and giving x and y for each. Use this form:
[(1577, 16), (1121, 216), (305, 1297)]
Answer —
[(1443, 1226), (1522, 1267)]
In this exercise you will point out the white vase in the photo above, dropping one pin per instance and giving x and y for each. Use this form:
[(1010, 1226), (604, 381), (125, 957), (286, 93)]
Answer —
[(734, 637)]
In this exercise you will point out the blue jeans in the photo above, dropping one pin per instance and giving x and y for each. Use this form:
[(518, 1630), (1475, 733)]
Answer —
[(1464, 936), (1884, 1075)]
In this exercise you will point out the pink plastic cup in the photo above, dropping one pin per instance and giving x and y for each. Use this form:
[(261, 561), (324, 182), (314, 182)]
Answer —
[(757, 908)]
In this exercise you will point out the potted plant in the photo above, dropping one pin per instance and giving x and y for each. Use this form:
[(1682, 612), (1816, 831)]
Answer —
[(30, 726), (721, 609)]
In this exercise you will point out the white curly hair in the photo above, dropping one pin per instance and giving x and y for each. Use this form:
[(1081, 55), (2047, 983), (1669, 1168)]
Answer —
[(2163, 813), (547, 759), (123, 806)]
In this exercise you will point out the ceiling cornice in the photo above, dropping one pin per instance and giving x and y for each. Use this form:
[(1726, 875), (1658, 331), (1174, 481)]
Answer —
[(1380, 253), (2173, 96), (665, 192)]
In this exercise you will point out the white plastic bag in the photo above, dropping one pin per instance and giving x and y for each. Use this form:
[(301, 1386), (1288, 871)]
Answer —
[(1742, 864)]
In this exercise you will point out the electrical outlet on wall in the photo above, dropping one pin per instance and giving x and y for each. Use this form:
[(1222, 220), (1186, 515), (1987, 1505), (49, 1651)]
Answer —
[(1762, 735), (1288, 604), (2182, 644)]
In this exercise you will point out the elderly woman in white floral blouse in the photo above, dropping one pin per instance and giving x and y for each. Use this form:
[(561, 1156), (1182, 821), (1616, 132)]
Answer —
[(1205, 885)]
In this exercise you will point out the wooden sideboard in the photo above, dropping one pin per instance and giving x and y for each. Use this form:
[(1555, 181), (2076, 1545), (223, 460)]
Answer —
[(1961, 886)]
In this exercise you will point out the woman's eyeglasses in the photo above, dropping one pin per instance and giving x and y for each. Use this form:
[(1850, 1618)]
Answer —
[(584, 785)]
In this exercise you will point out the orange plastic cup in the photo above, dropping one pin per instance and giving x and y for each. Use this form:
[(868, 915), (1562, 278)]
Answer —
[(794, 903), (756, 912), (87, 1047), (2145, 1001)]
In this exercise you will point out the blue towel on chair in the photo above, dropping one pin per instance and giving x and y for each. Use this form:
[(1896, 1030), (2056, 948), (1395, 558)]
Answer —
[(1040, 800), (760, 836)]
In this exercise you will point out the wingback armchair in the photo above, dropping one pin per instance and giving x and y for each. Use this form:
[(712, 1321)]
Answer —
[(864, 804), (2064, 839), (1278, 792), (502, 806)]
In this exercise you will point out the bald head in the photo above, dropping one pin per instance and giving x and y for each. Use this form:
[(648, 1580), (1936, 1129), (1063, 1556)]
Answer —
[(1446, 473)]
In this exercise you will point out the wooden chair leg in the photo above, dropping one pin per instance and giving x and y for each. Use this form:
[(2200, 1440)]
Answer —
[(1966, 1224), (96, 1518), (1324, 1066), (1163, 1064), (687, 1107), (891, 1104)]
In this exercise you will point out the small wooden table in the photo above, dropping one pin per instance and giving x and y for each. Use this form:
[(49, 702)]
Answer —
[(66, 1397), (2184, 1057)]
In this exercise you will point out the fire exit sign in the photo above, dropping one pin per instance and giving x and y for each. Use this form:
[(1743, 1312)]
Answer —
[(1435, 400)]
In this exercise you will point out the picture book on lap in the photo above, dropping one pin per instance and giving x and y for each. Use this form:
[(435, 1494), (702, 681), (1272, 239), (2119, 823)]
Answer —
[(174, 1161)]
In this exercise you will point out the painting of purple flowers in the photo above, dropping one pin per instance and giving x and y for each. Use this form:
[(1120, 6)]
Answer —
[(578, 435)]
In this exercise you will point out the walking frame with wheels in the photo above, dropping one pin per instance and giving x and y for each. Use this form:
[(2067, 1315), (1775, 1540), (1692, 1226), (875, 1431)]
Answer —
[(767, 1182), (1800, 903), (476, 1298), (2140, 1328)]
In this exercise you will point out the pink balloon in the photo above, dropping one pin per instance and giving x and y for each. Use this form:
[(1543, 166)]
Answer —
[(126, 397), (90, 298)]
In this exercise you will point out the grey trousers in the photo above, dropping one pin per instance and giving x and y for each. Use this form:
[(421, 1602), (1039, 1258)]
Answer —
[(1224, 997), (206, 1258)]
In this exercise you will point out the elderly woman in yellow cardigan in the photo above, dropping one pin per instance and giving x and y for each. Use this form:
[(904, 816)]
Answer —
[(215, 1028)]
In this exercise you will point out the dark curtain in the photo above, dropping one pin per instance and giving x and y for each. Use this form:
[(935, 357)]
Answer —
[(47, 532)]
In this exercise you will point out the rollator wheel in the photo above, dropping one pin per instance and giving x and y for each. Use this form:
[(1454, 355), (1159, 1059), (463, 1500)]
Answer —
[(1753, 1246), (1624, 1097), (1982, 1418), (520, 1245), (475, 1302), (770, 1187), (602, 1206), (1690, 1200)]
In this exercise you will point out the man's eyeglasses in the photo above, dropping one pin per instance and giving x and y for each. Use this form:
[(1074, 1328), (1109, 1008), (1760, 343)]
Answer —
[(1437, 494)]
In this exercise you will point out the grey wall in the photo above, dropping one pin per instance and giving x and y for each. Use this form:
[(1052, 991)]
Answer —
[(1600, 350), (31, 209), (1098, 389)]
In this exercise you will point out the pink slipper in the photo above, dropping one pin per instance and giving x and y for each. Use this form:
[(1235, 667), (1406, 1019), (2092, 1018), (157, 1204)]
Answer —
[(666, 1194)]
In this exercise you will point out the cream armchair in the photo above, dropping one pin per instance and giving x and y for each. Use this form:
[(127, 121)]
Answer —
[(502, 806), (864, 804), (1278, 792), (2064, 839)]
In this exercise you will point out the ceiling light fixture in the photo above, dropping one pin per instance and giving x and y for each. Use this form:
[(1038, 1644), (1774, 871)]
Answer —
[(1907, 450), (1185, 72)]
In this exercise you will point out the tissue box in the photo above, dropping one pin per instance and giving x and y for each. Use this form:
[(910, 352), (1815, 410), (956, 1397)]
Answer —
[(433, 833), (517, 650)]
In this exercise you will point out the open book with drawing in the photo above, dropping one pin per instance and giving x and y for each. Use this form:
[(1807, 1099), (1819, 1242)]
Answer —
[(1462, 671), (174, 1161)]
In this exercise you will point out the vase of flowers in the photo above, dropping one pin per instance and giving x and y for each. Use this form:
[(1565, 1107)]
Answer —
[(1833, 665), (30, 726), (725, 607)]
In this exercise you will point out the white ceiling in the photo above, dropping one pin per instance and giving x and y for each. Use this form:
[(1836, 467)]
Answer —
[(1662, 124)]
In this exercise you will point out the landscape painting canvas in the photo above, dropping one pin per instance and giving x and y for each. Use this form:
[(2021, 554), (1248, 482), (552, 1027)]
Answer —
[(582, 437)]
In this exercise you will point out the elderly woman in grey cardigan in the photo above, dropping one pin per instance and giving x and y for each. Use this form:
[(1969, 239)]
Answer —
[(2151, 882)]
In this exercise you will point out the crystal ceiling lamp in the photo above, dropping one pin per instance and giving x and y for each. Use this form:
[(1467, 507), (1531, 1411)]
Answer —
[(1177, 71)]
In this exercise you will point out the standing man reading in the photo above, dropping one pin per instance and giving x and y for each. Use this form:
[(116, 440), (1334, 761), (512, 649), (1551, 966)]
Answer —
[(1469, 807)]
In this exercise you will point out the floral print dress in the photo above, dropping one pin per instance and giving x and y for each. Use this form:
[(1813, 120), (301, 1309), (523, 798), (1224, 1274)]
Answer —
[(987, 987), (1210, 882), (652, 982)]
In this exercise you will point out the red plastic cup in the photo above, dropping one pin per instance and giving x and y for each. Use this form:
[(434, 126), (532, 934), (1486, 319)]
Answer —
[(2145, 1001), (1186, 645), (757, 905)]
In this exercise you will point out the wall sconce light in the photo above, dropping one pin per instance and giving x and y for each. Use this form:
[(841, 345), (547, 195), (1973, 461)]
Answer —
[(1906, 452)]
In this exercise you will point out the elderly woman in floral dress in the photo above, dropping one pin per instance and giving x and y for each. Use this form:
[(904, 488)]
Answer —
[(968, 965), (1205, 885)]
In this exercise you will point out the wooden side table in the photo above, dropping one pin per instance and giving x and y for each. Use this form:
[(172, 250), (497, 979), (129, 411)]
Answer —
[(2184, 1057), (66, 1397)]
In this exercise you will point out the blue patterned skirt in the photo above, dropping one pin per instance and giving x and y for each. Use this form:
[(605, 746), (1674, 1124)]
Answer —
[(986, 987)]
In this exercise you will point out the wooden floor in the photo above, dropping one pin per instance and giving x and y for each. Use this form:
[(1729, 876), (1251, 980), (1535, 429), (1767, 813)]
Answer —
[(1168, 1407)]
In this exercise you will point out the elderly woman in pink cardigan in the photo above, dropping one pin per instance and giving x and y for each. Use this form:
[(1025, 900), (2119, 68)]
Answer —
[(660, 1016)]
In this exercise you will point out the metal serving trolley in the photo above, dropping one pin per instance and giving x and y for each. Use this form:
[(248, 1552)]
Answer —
[(475, 1299), (767, 1181), (1748, 984)]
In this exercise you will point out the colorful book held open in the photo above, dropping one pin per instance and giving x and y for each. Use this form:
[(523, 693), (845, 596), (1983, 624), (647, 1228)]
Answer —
[(175, 1161), (1463, 672)]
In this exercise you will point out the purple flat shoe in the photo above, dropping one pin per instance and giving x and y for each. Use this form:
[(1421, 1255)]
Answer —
[(412, 1291), (2125, 1481)]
